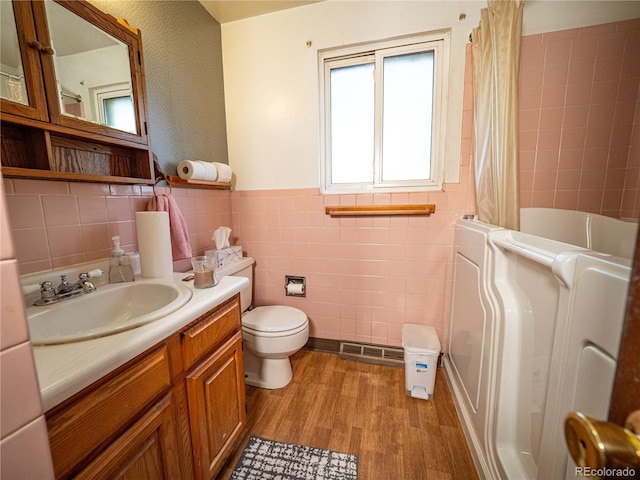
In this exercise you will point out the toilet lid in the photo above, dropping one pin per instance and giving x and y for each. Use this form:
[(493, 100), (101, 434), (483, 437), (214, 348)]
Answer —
[(274, 318)]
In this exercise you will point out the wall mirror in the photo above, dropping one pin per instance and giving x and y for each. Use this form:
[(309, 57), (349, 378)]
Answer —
[(92, 69), (12, 78)]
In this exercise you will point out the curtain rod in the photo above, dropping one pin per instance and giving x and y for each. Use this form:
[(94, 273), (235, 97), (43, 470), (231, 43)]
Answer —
[(11, 77), (77, 98)]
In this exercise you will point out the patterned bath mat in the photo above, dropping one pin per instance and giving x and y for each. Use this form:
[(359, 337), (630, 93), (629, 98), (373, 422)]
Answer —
[(264, 459)]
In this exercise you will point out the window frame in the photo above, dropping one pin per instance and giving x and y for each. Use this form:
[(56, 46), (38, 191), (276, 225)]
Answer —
[(107, 92), (439, 42)]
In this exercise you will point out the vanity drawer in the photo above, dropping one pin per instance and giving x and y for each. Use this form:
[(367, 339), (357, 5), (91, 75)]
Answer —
[(210, 331), (91, 421)]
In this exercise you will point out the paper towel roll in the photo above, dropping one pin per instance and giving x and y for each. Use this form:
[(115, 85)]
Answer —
[(224, 172), (154, 244)]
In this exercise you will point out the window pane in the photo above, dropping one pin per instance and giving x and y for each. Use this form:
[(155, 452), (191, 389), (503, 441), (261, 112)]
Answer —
[(407, 116), (352, 124), (119, 113)]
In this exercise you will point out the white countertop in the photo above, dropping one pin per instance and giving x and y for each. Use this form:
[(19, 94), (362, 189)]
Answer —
[(65, 369)]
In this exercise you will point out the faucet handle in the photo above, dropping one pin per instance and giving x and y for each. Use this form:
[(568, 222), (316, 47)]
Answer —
[(94, 273), (64, 285), (83, 281), (46, 290)]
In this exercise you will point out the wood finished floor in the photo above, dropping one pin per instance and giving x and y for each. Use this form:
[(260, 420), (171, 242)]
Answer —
[(360, 408)]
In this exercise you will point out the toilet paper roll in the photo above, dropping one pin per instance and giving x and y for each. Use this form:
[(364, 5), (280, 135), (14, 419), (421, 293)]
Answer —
[(295, 289), (197, 170), (188, 169), (210, 172), (154, 244), (224, 172)]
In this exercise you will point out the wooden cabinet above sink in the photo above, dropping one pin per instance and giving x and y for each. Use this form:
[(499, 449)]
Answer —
[(73, 98)]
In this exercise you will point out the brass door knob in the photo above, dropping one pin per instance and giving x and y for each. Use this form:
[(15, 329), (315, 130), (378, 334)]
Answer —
[(597, 444)]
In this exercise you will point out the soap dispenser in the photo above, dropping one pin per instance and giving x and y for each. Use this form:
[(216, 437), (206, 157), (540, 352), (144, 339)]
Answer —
[(120, 269)]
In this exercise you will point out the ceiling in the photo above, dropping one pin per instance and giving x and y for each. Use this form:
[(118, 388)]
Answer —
[(230, 10)]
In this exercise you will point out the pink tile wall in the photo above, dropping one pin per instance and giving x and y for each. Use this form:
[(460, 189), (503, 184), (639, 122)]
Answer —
[(365, 276), (24, 445), (55, 224), (579, 119), (631, 198)]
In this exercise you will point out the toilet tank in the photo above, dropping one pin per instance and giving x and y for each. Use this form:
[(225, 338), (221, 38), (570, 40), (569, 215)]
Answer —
[(241, 268)]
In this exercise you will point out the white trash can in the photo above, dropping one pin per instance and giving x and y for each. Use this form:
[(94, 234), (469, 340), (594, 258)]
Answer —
[(421, 350)]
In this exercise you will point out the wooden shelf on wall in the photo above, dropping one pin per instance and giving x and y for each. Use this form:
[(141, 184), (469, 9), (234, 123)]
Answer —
[(176, 181), (40, 153), (379, 210)]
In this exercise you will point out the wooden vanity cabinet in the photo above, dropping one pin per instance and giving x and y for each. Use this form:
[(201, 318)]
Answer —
[(42, 137), (215, 387), (148, 449), (158, 417), (109, 411)]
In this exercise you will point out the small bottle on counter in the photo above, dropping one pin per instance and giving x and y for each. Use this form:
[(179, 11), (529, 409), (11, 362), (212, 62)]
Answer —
[(120, 269)]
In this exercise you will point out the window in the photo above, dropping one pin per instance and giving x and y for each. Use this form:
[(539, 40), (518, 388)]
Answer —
[(383, 115), (118, 113), (114, 106)]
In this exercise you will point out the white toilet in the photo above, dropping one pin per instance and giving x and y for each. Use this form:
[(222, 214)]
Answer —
[(270, 334)]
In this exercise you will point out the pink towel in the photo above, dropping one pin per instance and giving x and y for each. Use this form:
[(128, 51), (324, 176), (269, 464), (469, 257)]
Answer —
[(180, 246)]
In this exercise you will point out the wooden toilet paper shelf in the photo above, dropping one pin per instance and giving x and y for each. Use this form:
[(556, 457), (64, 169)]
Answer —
[(176, 181), (378, 210)]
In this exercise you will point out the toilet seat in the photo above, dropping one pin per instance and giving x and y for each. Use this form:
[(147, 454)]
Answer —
[(274, 321)]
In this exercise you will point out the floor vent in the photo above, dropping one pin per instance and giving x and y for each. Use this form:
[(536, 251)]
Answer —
[(372, 353)]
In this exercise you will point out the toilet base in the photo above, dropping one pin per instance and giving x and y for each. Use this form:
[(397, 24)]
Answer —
[(269, 373)]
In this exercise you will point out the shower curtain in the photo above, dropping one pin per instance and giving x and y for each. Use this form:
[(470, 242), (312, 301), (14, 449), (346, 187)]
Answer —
[(496, 65)]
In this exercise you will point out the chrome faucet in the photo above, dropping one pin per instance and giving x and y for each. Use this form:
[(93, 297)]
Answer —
[(82, 283), (64, 285), (65, 290)]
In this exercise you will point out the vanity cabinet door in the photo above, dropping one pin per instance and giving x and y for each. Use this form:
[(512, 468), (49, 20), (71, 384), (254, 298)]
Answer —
[(210, 331), (84, 426), (21, 84), (148, 449), (217, 411)]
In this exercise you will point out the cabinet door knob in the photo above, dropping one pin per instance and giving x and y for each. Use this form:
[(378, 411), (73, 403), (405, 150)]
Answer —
[(41, 48)]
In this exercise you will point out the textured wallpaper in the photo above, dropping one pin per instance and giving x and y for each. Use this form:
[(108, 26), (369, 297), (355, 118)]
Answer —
[(183, 65)]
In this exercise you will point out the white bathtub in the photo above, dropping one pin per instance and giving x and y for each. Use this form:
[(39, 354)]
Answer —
[(470, 361), (529, 316), (589, 230)]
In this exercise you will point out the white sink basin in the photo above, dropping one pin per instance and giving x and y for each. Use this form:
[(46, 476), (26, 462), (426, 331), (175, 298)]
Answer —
[(111, 309)]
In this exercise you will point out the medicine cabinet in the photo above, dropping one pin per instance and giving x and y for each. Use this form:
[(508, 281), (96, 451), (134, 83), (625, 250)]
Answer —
[(72, 94)]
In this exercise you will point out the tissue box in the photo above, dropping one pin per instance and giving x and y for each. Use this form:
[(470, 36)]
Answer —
[(227, 255)]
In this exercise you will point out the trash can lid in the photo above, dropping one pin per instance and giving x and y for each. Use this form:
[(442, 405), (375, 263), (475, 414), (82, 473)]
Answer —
[(420, 339)]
